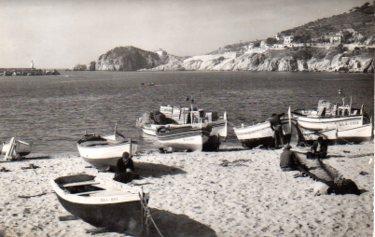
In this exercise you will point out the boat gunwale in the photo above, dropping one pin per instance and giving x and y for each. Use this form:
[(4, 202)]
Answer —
[(121, 143)]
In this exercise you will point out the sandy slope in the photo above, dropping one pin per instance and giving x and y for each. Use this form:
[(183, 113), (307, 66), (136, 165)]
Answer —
[(230, 193)]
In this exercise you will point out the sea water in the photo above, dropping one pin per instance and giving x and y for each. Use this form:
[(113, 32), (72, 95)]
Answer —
[(55, 111)]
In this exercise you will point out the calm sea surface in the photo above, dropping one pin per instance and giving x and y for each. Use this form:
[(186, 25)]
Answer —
[(54, 111)]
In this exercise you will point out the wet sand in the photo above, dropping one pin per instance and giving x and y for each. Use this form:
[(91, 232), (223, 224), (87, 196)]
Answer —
[(228, 193)]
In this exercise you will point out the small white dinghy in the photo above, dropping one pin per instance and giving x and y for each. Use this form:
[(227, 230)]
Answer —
[(104, 151), (15, 149), (102, 203)]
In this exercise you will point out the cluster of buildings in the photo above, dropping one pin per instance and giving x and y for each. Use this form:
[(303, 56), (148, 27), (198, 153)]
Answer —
[(289, 41)]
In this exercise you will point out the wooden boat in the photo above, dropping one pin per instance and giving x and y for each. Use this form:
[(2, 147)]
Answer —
[(15, 149), (255, 135), (186, 138), (328, 116), (356, 134), (260, 134), (150, 129), (104, 151), (101, 203), (185, 116)]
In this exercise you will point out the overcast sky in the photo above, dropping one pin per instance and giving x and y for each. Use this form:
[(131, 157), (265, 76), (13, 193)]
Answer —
[(58, 34)]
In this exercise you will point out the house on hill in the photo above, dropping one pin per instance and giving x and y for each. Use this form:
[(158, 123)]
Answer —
[(288, 39), (335, 38)]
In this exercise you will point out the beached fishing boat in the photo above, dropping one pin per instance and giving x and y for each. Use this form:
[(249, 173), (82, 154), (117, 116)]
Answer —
[(187, 138), (328, 116), (356, 134), (260, 134), (101, 203), (174, 115), (15, 149), (104, 151), (255, 135)]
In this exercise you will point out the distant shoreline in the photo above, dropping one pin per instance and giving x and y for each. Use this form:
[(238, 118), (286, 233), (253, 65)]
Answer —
[(221, 71), (27, 72)]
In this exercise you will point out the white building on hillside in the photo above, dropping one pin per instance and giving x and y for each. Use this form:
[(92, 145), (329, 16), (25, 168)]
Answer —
[(288, 39), (335, 39)]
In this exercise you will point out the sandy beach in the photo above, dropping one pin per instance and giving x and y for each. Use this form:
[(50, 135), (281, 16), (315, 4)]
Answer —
[(229, 193)]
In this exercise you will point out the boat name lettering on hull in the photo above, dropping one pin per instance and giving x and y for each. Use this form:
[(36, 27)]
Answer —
[(111, 199)]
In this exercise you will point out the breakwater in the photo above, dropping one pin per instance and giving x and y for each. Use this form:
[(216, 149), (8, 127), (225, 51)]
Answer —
[(27, 72)]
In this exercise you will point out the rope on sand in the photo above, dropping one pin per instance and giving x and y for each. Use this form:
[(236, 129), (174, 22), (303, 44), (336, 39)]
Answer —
[(147, 213), (30, 196)]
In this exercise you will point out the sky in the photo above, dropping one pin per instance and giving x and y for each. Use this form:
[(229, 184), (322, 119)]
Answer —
[(60, 34)]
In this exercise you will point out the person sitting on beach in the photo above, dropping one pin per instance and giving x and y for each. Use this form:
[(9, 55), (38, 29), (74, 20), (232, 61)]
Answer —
[(318, 149), (277, 128), (125, 169), (288, 160)]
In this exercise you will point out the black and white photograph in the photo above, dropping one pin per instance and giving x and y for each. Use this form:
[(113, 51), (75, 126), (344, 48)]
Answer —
[(187, 118)]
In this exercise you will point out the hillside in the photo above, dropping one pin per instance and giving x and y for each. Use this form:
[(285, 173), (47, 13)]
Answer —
[(360, 19), (344, 43)]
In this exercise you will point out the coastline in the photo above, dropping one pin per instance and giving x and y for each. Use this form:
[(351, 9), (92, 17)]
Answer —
[(233, 192)]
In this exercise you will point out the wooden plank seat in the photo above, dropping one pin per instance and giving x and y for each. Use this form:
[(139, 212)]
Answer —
[(89, 192), (91, 182), (94, 143)]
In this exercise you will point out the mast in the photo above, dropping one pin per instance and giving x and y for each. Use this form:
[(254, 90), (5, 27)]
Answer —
[(191, 110)]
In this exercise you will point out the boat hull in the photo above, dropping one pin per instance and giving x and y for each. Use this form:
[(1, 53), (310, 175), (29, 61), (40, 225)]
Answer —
[(120, 212), (150, 129), (189, 143), (322, 123), (357, 134), (218, 127), (119, 217), (106, 155), (260, 134), (188, 139), (21, 148)]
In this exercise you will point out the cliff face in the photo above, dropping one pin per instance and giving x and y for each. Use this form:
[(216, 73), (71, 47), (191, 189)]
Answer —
[(128, 59), (281, 60)]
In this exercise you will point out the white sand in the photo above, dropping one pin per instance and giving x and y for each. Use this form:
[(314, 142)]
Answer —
[(230, 193)]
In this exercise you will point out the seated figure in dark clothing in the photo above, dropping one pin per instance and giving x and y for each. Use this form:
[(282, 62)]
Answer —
[(277, 128), (318, 149), (125, 169), (288, 160)]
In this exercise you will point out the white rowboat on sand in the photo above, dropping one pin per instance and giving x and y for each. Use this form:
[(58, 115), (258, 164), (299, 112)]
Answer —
[(104, 151), (101, 203)]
